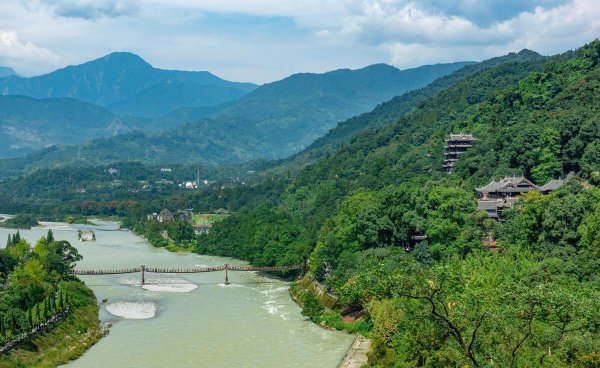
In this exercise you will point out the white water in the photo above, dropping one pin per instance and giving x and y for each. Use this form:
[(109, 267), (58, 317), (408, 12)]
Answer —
[(191, 320)]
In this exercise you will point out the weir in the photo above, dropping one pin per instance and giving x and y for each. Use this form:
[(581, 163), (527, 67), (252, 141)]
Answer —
[(226, 267)]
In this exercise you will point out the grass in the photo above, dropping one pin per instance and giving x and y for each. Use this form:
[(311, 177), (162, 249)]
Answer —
[(209, 218), (67, 341)]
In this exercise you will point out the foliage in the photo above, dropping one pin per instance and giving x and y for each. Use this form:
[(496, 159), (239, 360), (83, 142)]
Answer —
[(21, 221), (34, 282)]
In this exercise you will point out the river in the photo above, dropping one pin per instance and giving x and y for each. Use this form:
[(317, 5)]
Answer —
[(190, 320)]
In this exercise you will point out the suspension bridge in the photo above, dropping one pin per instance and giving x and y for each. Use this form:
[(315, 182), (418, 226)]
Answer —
[(226, 267)]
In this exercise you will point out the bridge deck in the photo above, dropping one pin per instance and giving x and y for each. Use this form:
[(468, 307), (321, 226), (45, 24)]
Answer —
[(186, 270)]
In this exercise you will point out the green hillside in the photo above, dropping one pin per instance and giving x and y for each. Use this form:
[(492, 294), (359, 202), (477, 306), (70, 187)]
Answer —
[(399, 242), (28, 124), (271, 122), (450, 301), (159, 100)]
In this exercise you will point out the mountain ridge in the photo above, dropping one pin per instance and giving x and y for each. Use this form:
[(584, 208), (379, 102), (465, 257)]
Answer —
[(108, 80)]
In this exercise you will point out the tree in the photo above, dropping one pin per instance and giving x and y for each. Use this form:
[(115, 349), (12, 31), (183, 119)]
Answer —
[(50, 236), (547, 157), (590, 161)]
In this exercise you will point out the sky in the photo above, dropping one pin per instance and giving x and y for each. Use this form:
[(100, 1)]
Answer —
[(265, 40)]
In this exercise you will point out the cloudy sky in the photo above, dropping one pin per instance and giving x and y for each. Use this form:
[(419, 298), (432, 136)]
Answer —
[(265, 40)]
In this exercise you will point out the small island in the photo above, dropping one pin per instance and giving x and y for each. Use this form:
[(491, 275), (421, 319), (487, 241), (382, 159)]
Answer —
[(86, 235)]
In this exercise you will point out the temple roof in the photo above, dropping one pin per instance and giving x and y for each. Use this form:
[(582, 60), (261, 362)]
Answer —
[(552, 185), (508, 185), (461, 137)]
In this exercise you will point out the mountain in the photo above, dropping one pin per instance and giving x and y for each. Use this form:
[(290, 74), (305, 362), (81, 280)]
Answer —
[(273, 121), (28, 124), (303, 107), (161, 99), (118, 77), (390, 111), (182, 115), (6, 71), (400, 242)]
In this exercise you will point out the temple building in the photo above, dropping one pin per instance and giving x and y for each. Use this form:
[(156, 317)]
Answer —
[(456, 145), (499, 195)]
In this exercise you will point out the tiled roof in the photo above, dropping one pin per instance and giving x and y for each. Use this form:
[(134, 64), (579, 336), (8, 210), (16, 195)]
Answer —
[(508, 184), (553, 184), (461, 137)]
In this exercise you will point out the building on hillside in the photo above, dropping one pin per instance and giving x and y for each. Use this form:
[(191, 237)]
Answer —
[(490, 243), (551, 186), (184, 215), (496, 196), (203, 228), (165, 216), (456, 145)]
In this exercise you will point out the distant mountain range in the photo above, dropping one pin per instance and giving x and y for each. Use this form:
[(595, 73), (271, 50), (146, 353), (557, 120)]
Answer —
[(130, 84), (273, 121), (390, 111), (6, 71), (28, 124)]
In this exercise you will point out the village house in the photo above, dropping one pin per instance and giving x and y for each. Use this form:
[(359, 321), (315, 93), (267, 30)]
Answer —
[(203, 228), (164, 216), (184, 215)]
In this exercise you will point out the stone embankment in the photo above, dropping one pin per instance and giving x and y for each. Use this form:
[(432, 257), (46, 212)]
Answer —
[(357, 355)]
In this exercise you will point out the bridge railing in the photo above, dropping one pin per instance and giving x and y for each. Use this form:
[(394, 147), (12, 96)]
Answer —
[(186, 270), (226, 268)]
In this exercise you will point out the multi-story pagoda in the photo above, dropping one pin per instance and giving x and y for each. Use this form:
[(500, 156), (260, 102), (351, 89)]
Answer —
[(456, 145)]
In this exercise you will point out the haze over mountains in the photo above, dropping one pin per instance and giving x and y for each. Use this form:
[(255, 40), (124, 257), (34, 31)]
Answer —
[(247, 122)]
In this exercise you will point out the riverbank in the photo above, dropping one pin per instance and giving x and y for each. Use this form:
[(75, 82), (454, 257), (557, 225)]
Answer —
[(320, 307), (357, 356), (66, 341)]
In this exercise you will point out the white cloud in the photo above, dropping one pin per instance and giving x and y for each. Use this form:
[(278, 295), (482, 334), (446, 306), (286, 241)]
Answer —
[(414, 35), (87, 9), (23, 56), (261, 40)]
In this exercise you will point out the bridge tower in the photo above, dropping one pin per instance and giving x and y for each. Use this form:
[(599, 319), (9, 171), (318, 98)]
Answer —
[(226, 276), (142, 270)]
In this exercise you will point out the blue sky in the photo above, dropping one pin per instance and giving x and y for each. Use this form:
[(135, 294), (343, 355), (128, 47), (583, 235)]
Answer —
[(265, 40)]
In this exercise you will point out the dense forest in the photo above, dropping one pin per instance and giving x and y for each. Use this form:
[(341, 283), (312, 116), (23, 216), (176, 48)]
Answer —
[(388, 232), (37, 285), (450, 301)]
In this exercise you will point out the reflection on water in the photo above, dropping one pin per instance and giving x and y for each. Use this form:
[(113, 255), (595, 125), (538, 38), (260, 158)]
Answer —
[(250, 323)]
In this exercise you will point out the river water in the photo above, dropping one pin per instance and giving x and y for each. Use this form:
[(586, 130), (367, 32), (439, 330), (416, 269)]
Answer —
[(190, 320)]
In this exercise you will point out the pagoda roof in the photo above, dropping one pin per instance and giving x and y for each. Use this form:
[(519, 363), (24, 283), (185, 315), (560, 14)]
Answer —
[(461, 137)]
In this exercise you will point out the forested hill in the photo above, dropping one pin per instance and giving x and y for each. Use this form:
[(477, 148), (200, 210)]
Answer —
[(467, 291), (286, 116), (390, 111), (126, 78), (28, 124), (273, 121), (453, 301)]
